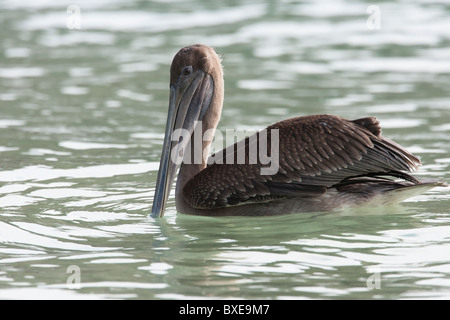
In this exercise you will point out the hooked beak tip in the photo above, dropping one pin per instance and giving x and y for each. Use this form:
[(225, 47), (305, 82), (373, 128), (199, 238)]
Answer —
[(154, 215), (158, 209)]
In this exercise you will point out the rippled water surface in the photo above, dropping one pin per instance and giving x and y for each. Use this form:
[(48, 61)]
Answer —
[(82, 115)]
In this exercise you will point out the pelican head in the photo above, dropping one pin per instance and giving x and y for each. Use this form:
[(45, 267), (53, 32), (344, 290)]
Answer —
[(195, 75)]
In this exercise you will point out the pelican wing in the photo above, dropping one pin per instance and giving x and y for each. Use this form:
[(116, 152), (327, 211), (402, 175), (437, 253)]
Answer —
[(315, 153)]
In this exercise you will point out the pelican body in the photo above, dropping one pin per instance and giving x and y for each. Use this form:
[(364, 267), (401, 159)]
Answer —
[(323, 162)]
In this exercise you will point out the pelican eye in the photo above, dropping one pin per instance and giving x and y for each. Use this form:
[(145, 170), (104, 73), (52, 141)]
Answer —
[(186, 71)]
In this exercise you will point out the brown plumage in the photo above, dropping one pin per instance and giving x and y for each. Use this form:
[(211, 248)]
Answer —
[(325, 162)]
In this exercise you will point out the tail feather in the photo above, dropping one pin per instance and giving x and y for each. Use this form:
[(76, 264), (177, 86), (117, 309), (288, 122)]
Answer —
[(384, 191), (408, 191)]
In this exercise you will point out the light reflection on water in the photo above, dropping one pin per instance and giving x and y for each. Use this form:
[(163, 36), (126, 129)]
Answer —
[(82, 117)]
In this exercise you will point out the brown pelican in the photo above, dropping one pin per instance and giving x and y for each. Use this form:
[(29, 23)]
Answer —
[(323, 162)]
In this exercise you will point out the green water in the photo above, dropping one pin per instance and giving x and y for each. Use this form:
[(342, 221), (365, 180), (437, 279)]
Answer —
[(82, 115)]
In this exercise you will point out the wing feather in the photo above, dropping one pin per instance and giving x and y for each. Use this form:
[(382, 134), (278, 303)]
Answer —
[(315, 153)]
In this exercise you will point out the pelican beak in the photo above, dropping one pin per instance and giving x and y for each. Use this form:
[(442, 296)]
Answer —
[(190, 97)]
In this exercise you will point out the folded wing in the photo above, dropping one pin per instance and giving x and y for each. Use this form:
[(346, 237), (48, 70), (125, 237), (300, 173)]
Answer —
[(315, 153)]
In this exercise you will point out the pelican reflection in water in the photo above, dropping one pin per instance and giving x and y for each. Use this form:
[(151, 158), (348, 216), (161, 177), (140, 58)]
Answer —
[(323, 162)]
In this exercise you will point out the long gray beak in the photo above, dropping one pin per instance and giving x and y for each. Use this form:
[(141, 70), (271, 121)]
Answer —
[(190, 97)]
